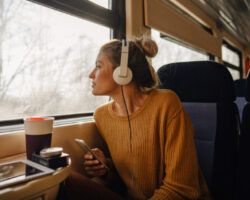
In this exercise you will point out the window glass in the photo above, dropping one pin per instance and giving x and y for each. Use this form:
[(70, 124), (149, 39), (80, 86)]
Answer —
[(235, 73), (170, 52), (230, 56), (103, 3), (45, 59)]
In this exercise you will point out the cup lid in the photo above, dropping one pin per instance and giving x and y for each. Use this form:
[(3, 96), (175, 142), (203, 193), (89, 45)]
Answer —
[(38, 125), (36, 118)]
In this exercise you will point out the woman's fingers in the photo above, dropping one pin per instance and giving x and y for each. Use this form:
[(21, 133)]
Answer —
[(88, 156), (91, 162), (94, 168), (98, 153)]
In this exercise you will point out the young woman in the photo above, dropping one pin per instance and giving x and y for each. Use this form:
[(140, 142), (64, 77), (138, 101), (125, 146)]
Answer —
[(149, 135)]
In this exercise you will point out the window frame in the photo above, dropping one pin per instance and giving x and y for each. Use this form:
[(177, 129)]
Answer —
[(113, 18)]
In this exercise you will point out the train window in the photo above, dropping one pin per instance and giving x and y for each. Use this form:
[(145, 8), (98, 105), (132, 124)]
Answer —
[(232, 60), (235, 73), (45, 58), (230, 56), (170, 52)]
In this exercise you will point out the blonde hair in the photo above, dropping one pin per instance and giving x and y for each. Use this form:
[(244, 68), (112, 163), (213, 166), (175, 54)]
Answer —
[(144, 75)]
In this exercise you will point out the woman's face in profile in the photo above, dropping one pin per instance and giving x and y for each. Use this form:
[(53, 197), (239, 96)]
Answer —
[(102, 76)]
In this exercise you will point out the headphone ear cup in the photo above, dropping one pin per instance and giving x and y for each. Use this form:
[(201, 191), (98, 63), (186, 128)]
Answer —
[(122, 80)]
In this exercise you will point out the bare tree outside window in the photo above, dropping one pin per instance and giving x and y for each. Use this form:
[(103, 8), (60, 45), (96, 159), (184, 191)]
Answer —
[(45, 59)]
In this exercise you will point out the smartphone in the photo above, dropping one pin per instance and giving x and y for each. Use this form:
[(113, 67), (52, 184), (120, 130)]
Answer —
[(84, 145)]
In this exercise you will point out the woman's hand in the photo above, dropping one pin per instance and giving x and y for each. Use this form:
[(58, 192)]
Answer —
[(93, 167)]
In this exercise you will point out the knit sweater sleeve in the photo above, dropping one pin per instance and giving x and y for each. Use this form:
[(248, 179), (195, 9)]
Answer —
[(112, 175), (181, 179)]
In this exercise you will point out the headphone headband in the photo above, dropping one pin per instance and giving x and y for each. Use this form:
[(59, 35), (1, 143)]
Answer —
[(124, 59)]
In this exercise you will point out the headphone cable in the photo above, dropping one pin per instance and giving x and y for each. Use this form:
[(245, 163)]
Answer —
[(130, 129)]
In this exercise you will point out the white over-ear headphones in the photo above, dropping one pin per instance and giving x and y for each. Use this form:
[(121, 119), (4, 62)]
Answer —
[(122, 74)]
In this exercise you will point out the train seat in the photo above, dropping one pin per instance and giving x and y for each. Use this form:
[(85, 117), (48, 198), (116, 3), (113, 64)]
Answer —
[(240, 89), (207, 92), (243, 184)]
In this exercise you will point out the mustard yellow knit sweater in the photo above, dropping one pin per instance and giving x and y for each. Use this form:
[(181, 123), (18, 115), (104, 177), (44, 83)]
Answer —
[(159, 162)]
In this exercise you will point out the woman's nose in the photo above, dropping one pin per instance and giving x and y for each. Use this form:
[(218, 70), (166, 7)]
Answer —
[(91, 74)]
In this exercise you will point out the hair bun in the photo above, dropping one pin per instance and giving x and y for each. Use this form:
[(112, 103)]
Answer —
[(148, 46)]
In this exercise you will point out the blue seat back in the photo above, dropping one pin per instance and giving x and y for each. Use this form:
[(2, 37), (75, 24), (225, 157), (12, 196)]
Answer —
[(243, 181), (207, 92)]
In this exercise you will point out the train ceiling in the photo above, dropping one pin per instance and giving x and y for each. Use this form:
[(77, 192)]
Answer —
[(233, 15)]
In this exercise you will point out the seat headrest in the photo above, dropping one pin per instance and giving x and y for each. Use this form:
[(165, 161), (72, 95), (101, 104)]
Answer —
[(248, 87), (240, 87), (199, 81)]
